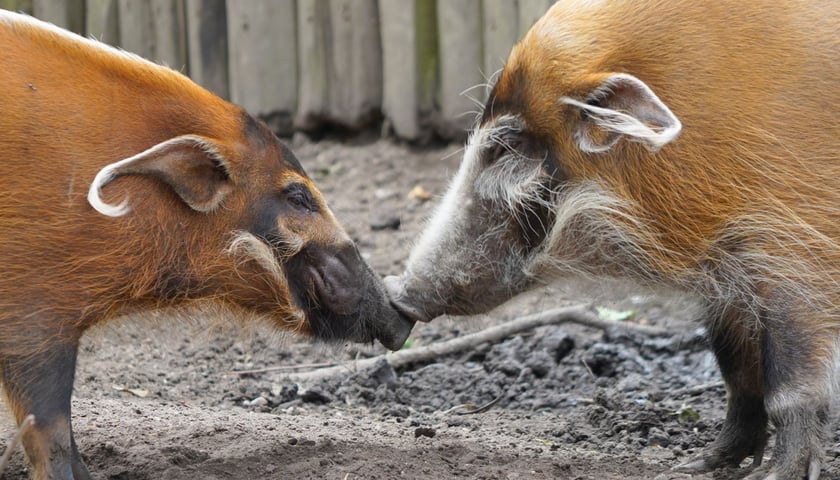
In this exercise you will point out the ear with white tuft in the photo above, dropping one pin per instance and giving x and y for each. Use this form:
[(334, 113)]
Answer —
[(621, 105), (191, 165)]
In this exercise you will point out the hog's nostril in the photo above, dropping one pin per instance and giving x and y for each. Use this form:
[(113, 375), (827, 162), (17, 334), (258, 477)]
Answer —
[(395, 288), (336, 286)]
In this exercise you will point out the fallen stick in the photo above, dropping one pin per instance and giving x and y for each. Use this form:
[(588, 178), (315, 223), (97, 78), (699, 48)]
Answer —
[(13, 443), (580, 314), (281, 367)]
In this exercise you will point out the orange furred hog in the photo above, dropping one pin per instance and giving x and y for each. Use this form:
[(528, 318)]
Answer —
[(686, 144), (125, 188)]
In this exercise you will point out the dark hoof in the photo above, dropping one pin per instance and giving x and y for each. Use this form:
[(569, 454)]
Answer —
[(698, 465)]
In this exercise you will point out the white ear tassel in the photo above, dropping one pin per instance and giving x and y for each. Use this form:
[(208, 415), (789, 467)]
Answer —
[(633, 102), (625, 124), (107, 174), (104, 177)]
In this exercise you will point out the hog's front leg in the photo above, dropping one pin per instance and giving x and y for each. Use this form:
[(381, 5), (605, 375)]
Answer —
[(799, 358), (744, 431), (41, 384)]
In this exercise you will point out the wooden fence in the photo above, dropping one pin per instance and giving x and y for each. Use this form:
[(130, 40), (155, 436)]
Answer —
[(309, 64)]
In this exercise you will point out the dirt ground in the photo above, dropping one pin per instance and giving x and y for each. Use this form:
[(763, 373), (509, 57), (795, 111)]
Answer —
[(168, 400)]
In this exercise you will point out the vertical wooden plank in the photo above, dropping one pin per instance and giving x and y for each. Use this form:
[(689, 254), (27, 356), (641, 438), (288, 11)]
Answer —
[(501, 31), (135, 26), (408, 30), (170, 19), (67, 14), (355, 63), (207, 45), (459, 31), (154, 29), (102, 22), (428, 63), (530, 11), (312, 18), (262, 45), (399, 66), (24, 6)]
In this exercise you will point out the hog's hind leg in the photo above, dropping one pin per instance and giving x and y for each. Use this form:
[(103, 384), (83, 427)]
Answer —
[(41, 384)]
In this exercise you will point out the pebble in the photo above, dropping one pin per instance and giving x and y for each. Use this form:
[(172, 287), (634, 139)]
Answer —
[(385, 221), (540, 362), (658, 437), (314, 395)]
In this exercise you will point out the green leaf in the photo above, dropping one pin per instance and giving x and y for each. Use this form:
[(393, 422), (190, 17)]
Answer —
[(687, 414)]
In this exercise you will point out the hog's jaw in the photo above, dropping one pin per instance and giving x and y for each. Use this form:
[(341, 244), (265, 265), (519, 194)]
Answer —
[(475, 251)]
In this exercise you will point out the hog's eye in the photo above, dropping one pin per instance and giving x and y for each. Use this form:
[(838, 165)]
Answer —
[(299, 197), (502, 140)]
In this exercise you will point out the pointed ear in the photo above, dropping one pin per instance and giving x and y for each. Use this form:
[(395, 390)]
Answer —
[(621, 105), (191, 165)]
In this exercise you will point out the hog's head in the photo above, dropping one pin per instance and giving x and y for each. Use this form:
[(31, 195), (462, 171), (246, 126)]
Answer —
[(529, 191), (235, 219)]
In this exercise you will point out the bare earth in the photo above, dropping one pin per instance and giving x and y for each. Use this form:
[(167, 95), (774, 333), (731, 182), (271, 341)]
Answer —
[(162, 399)]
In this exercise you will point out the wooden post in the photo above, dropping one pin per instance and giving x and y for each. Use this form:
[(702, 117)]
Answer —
[(355, 64), (262, 47), (530, 11), (155, 29), (207, 45), (312, 61), (399, 66), (69, 14), (501, 31), (459, 33), (409, 65), (340, 63), (24, 6), (102, 22), (428, 64)]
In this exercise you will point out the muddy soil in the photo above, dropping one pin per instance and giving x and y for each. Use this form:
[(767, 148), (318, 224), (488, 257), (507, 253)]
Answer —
[(162, 398)]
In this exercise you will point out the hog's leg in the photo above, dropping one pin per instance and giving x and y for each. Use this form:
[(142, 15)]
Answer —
[(41, 384), (744, 431), (799, 362)]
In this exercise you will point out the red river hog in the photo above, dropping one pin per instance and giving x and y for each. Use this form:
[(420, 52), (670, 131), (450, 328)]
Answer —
[(127, 188), (681, 144)]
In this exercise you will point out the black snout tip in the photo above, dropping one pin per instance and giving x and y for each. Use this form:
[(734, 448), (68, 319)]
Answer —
[(399, 328)]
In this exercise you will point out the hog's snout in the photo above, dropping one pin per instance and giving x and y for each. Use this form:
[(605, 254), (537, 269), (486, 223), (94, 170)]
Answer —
[(335, 278), (411, 308), (353, 301), (395, 331)]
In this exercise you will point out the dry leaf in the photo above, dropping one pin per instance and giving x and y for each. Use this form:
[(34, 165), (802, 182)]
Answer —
[(138, 392), (420, 193)]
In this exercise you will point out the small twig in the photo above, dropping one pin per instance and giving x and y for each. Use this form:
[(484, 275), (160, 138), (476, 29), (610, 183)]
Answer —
[(696, 389), (13, 443), (470, 409), (580, 314), (282, 367), (588, 368)]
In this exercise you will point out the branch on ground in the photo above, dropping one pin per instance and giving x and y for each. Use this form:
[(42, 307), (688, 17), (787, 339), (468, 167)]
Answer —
[(15, 440), (580, 314)]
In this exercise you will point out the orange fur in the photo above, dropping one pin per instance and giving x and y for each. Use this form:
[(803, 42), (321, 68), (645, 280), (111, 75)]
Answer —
[(741, 209), (126, 188), (754, 88), (72, 106)]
